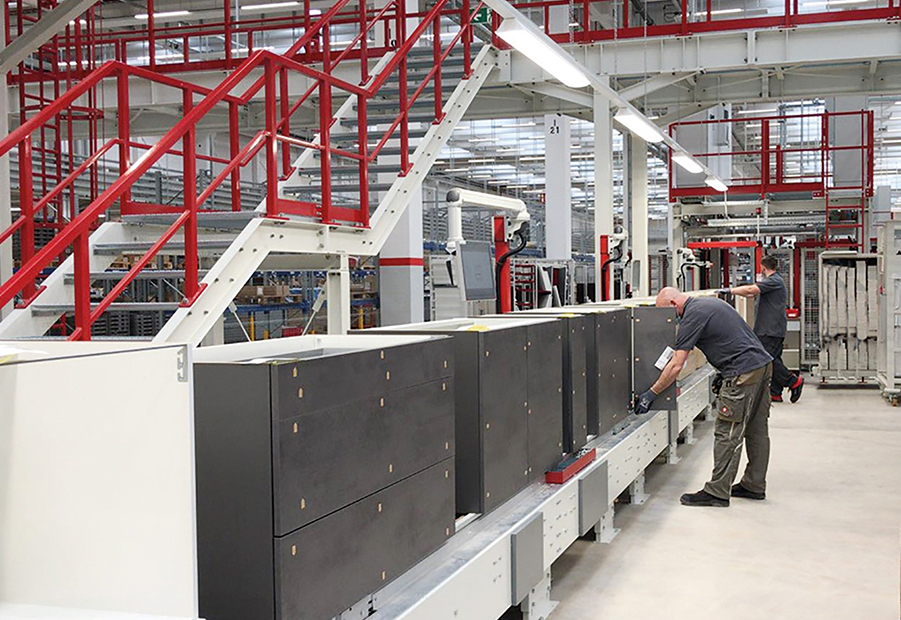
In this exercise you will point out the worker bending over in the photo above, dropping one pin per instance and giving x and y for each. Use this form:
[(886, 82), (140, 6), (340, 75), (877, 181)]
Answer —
[(743, 401), (770, 325)]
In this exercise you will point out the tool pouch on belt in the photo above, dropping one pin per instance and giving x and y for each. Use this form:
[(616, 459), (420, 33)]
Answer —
[(730, 402)]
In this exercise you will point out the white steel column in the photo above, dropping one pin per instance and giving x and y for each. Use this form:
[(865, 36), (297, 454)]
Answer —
[(603, 179), (558, 187), (6, 249), (338, 300), (638, 209), (401, 268)]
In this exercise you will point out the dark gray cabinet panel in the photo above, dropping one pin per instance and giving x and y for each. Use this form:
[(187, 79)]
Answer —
[(578, 339), (499, 377), (503, 396), (654, 329), (381, 440), (233, 465), (545, 396), (314, 383), (322, 568), (277, 460), (612, 398)]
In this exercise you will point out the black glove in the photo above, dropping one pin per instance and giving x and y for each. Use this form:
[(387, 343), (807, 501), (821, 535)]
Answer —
[(644, 401), (717, 383)]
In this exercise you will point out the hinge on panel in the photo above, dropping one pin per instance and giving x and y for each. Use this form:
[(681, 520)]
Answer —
[(182, 364)]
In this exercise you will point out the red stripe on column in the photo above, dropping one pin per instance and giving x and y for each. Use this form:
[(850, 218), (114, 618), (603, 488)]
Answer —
[(401, 262)]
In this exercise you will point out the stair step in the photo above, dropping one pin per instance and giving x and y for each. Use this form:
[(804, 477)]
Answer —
[(351, 137), (387, 119), (147, 274), (373, 169), (125, 306), (220, 220), (141, 247), (424, 102), (337, 189)]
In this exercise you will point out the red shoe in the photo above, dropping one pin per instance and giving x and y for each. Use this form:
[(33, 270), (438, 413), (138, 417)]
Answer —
[(796, 389), (776, 398)]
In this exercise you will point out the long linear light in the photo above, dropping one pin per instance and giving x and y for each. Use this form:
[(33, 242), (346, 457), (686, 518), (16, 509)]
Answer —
[(725, 11), (163, 15), (639, 125), (688, 163), (559, 64), (763, 111), (716, 184), (270, 6)]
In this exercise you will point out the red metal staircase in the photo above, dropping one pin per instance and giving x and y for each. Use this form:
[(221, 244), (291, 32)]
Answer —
[(389, 114)]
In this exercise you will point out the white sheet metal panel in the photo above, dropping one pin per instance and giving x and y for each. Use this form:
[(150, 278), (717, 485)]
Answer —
[(561, 522), (97, 491), (694, 398), (629, 458)]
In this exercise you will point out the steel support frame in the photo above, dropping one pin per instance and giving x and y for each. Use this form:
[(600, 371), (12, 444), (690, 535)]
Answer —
[(471, 576)]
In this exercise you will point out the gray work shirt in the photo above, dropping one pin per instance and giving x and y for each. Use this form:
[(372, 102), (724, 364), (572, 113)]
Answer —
[(770, 320), (718, 330)]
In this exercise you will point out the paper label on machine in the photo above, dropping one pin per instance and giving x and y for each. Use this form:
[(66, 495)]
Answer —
[(664, 358)]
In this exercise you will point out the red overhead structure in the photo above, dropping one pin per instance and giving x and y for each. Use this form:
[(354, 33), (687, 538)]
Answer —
[(272, 144), (764, 164), (588, 21)]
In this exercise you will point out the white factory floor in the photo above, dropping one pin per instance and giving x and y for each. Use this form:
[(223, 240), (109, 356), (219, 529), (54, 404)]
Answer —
[(824, 544)]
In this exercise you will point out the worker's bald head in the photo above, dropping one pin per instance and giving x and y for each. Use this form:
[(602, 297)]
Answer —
[(671, 297)]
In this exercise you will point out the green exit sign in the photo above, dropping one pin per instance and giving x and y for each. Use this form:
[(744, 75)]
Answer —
[(482, 16)]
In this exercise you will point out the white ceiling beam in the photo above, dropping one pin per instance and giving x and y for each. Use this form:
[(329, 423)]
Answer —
[(51, 24), (652, 84)]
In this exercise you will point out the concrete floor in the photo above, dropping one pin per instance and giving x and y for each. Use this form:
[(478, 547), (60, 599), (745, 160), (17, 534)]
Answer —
[(824, 544)]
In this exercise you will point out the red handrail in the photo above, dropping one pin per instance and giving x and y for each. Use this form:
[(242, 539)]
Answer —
[(583, 30), (75, 233), (764, 156)]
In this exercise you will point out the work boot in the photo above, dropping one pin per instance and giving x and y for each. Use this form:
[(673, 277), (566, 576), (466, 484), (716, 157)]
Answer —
[(776, 398), (796, 388), (740, 491), (703, 498)]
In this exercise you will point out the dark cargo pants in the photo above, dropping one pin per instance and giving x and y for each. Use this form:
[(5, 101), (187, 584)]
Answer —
[(742, 417)]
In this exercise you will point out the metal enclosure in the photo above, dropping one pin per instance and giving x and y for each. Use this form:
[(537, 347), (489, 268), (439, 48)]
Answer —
[(889, 324), (849, 288), (653, 329), (607, 349), (311, 461), (509, 429), (612, 396), (578, 339)]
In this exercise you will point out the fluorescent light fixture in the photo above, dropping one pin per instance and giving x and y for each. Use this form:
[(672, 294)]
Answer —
[(485, 160), (726, 11), (163, 15), (638, 125), (716, 184), (270, 6), (688, 163), (534, 47), (456, 170), (763, 111), (833, 3)]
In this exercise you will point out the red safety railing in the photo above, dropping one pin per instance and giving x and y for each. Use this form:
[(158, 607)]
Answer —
[(778, 154), (270, 76), (828, 156), (587, 21), (567, 21)]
